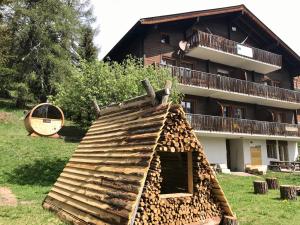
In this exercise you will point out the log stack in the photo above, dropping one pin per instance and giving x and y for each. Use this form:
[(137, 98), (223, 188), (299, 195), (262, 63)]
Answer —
[(288, 192), (177, 136)]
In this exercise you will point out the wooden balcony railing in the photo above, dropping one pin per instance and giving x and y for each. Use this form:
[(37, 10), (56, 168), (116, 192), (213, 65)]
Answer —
[(214, 81), (241, 126), (229, 46)]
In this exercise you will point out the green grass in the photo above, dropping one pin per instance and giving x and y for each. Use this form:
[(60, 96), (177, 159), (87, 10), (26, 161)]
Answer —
[(30, 166), (261, 209)]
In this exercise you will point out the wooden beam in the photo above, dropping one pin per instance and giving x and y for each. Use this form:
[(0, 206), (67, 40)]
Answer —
[(252, 30), (190, 172), (168, 86), (150, 91), (96, 106)]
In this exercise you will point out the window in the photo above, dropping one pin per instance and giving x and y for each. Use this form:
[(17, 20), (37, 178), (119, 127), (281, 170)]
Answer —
[(186, 65), (165, 39), (279, 117), (271, 149), (275, 83), (283, 151), (233, 111), (223, 72), (168, 61), (238, 113), (187, 106), (176, 172)]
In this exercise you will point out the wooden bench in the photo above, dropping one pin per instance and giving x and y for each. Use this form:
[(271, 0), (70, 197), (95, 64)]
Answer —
[(284, 165)]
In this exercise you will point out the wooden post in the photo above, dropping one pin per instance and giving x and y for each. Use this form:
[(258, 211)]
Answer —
[(272, 183), (150, 91), (288, 192), (168, 87), (229, 220), (96, 106), (260, 187)]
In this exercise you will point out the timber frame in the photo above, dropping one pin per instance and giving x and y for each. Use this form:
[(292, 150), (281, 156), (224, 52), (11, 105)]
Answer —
[(111, 173)]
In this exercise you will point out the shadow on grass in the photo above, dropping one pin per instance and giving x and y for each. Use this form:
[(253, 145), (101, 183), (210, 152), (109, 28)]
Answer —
[(42, 172), (72, 133)]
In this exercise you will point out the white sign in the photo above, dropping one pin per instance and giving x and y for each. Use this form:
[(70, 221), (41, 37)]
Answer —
[(244, 50), (293, 129)]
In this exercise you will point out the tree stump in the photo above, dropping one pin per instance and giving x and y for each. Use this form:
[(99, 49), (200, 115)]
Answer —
[(288, 192), (260, 187), (272, 183), (229, 220)]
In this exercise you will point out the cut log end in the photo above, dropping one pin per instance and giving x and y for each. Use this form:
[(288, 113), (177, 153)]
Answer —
[(272, 183), (288, 192), (229, 220), (260, 187)]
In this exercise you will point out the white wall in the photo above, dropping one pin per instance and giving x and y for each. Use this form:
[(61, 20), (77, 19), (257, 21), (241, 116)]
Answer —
[(215, 149), (293, 150)]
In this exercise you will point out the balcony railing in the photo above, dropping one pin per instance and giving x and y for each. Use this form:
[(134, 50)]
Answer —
[(232, 47), (242, 126), (214, 81)]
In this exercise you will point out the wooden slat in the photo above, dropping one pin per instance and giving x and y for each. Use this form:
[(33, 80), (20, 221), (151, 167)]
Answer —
[(69, 213), (104, 198), (133, 177), (101, 189), (103, 183), (81, 205)]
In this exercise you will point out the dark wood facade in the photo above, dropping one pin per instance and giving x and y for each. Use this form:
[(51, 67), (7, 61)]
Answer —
[(157, 39)]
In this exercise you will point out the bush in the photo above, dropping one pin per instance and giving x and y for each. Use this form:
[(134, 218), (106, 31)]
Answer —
[(108, 82)]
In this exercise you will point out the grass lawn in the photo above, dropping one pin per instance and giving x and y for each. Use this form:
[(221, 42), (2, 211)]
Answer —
[(30, 166)]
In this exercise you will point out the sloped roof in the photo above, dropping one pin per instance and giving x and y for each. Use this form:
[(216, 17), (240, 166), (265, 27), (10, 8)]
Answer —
[(103, 181), (211, 12), (105, 175)]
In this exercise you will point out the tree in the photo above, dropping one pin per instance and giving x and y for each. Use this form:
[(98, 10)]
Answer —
[(45, 41), (87, 49), (108, 82), (6, 73)]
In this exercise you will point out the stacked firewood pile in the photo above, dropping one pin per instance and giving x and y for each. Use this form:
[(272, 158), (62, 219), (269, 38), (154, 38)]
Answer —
[(177, 136)]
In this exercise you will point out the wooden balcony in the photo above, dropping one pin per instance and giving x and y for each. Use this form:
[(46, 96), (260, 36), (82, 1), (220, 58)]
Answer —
[(234, 89), (221, 50), (242, 126)]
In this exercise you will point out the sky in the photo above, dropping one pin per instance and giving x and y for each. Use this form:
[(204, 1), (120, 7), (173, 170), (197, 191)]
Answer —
[(116, 17)]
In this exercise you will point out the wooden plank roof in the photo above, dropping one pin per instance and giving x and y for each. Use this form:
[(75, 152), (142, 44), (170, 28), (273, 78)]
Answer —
[(105, 175)]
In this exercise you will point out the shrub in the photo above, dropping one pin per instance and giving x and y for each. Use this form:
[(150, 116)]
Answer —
[(108, 82)]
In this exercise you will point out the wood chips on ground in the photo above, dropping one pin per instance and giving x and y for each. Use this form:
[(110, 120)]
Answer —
[(7, 198)]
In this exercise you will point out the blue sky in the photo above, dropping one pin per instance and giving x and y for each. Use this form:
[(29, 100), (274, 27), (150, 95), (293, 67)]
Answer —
[(116, 17)]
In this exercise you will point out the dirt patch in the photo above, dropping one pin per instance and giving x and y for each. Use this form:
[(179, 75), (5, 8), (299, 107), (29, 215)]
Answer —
[(243, 174), (7, 198), (5, 117)]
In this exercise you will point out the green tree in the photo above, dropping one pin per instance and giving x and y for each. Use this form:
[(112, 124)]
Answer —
[(6, 73), (108, 82), (87, 50), (45, 36)]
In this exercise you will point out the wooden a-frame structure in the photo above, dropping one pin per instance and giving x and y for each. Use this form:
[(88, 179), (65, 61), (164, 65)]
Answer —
[(115, 175)]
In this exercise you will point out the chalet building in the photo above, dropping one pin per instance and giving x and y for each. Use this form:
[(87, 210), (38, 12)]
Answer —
[(237, 77)]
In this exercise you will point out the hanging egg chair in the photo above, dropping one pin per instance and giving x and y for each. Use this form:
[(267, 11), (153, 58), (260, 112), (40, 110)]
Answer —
[(44, 120)]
